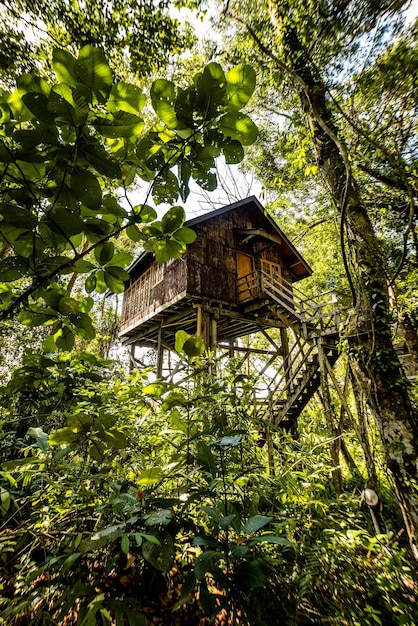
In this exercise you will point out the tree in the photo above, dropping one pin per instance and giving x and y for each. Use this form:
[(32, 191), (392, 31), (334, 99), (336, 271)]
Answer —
[(306, 49), (137, 36), (64, 147)]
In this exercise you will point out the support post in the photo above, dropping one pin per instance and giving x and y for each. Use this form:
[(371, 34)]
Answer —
[(160, 353)]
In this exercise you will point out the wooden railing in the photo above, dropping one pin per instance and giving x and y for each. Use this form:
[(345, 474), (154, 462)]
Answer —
[(319, 312)]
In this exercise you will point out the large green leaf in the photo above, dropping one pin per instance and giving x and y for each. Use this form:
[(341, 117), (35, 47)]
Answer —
[(114, 284), (194, 346), (63, 63), (103, 254), (206, 562), (100, 159), (173, 219), (117, 272), (121, 124), (40, 437), (64, 108), (165, 250), (211, 91), (86, 188), (126, 97), (255, 523), (92, 70), (37, 103), (185, 235), (233, 152), (120, 259), (241, 83), (165, 188), (163, 96), (150, 476), (63, 436), (64, 339), (238, 126), (181, 338), (160, 556)]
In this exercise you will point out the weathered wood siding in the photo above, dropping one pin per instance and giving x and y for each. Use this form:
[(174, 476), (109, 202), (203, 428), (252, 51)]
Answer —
[(151, 289), (211, 259)]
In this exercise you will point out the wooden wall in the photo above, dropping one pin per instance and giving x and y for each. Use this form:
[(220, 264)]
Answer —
[(211, 259)]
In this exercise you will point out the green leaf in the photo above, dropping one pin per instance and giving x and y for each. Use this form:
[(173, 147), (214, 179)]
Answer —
[(238, 126), (161, 516), (103, 254), (163, 96), (150, 476), (120, 259), (63, 436), (68, 306), (5, 501), (165, 250), (181, 338), (173, 219), (12, 269), (194, 346), (34, 318), (211, 91), (90, 283), (185, 235), (124, 544), (146, 213), (64, 339), (134, 233), (255, 523), (69, 562), (206, 562), (96, 449), (165, 188), (82, 266), (63, 64), (86, 188), (270, 539), (92, 70), (241, 83), (114, 284), (117, 272), (233, 152), (250, 574), (37, 103), (160, 556), (126, 97), (121, 124), (103, 163), (205, 456), (40, 436), (116, 439)]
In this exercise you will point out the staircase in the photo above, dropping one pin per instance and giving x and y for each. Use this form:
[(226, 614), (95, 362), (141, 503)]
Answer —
[(297, 380), (315, 323)]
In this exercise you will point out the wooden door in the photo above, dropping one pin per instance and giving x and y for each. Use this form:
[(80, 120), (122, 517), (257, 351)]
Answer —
[(246, 277)]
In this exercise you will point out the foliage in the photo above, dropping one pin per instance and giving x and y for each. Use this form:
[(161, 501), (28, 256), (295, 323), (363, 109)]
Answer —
[(65, 145), (103, 510), (137, 36)]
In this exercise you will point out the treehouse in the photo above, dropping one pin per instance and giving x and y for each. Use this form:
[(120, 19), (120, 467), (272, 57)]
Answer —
[(236, 279), (225, 286)]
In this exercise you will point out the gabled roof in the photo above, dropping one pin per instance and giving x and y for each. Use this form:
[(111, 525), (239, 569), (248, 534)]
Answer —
[(268, 230)]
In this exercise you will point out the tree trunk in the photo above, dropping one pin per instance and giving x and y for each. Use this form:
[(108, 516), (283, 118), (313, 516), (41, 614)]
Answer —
[(373, 358)]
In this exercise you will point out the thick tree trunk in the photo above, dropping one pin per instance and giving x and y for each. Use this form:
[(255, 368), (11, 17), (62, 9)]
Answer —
[(369, 334)]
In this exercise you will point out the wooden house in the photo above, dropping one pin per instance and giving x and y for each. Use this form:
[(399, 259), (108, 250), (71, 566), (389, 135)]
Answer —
[(238, 278), (223, 287)]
